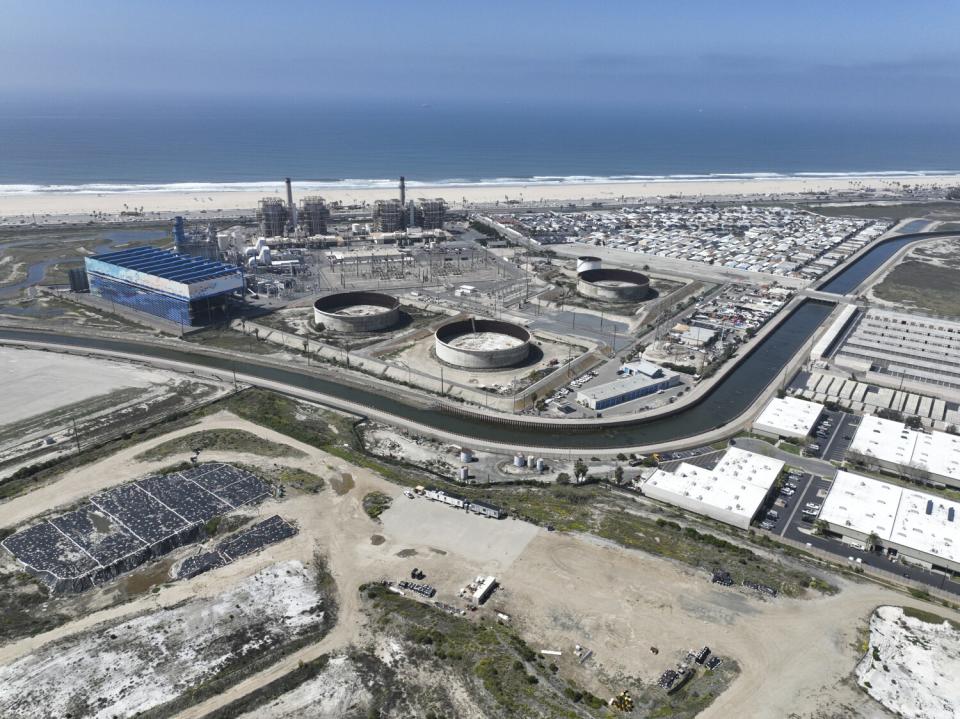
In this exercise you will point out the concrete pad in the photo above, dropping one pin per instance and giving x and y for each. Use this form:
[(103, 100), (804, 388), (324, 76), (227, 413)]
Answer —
[(422, 523)]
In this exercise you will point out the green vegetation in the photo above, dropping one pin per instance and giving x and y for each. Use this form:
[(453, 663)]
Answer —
[(514, 680), (228, 339), (692, 698), (220, 440), (23, 607), (665, 538), (375, 504), (297, 478), (790, 447), (304, 672), (923, 286), (306, 423), (929, 617)]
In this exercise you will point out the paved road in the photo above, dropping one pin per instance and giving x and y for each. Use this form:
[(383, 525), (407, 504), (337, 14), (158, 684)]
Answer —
[(813, 490), (807, 464)]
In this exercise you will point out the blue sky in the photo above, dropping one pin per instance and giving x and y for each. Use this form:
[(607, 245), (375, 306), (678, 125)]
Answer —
[(838, 55)]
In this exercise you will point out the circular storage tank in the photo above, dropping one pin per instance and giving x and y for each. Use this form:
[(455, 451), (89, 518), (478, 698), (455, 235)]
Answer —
[(585, 263), (357, 311), (613, 285), (482, 344)]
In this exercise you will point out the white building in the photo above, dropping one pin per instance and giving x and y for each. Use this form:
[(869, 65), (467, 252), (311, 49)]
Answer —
[(639, 379), (894, 447), (788, 418), (732, 492), (918, 527)]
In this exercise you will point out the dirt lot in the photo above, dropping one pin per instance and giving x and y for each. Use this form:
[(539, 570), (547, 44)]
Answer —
[(796, 655)]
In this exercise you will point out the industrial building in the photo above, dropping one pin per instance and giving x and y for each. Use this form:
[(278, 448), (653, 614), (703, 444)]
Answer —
[(202, 244), (641, 378), (313, 215), (732, 492), (189, 291), (388, 215), (903, 347), (917, 527), (788, 418), (890, 446), (272, 217), (430, 214)]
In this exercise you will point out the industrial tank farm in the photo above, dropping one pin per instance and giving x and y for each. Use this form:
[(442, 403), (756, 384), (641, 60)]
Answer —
[(482, 344), (356, 312), (613, 285), (588, 262)]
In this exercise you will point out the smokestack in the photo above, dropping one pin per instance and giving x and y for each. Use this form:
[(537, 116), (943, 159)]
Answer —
[(291, 208)]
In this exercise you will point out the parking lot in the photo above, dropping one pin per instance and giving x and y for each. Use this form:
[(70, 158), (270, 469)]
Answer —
[(787, 506), (833, 435), (705, 457), (813, 490)]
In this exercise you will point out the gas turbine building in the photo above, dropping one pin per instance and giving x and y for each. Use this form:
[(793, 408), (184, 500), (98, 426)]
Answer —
[(189, 291)]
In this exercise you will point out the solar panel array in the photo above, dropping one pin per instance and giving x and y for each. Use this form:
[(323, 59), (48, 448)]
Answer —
[(123, 527)]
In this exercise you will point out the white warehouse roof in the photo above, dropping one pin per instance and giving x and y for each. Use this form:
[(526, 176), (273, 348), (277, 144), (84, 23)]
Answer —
[(731, 492), (788, 417), (896, 444), (862, 504), (896, 515)]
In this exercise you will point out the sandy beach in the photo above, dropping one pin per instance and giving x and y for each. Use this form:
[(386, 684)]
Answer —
[(41, 206)]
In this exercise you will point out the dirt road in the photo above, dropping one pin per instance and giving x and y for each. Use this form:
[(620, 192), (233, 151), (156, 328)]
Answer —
[(560, 590)]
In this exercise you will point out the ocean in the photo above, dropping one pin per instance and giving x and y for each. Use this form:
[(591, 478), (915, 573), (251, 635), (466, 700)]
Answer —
[(221, 146)]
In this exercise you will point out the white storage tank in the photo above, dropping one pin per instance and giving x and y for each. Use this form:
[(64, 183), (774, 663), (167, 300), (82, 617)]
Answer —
[(463, 474), (531, 461), (466, 455), (518, 460), (587, 262), (540, 465)]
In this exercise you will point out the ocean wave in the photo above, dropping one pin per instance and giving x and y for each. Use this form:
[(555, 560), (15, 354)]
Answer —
[(271, 186)]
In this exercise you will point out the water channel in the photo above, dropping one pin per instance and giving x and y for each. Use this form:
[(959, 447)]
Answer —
[(729, 399)]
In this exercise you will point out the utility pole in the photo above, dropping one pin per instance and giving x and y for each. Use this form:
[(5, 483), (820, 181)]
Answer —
[(76, 436)]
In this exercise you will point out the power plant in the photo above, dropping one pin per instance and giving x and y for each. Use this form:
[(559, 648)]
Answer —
[(195, 243), (291, 209), (272, 216), (388, 215), (313, 215)]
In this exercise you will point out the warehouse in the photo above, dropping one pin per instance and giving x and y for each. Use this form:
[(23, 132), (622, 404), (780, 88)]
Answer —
[(732, 492), (917, 527), (904, 347), (185, 290), (893, 447), (788, 418), (642, 379)]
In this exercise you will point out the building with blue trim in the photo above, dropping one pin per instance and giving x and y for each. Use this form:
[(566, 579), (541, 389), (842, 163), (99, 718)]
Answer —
[(189, 291), (641, 379)]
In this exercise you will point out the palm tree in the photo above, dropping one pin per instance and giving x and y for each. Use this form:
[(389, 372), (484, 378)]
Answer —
[(873, 541)]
